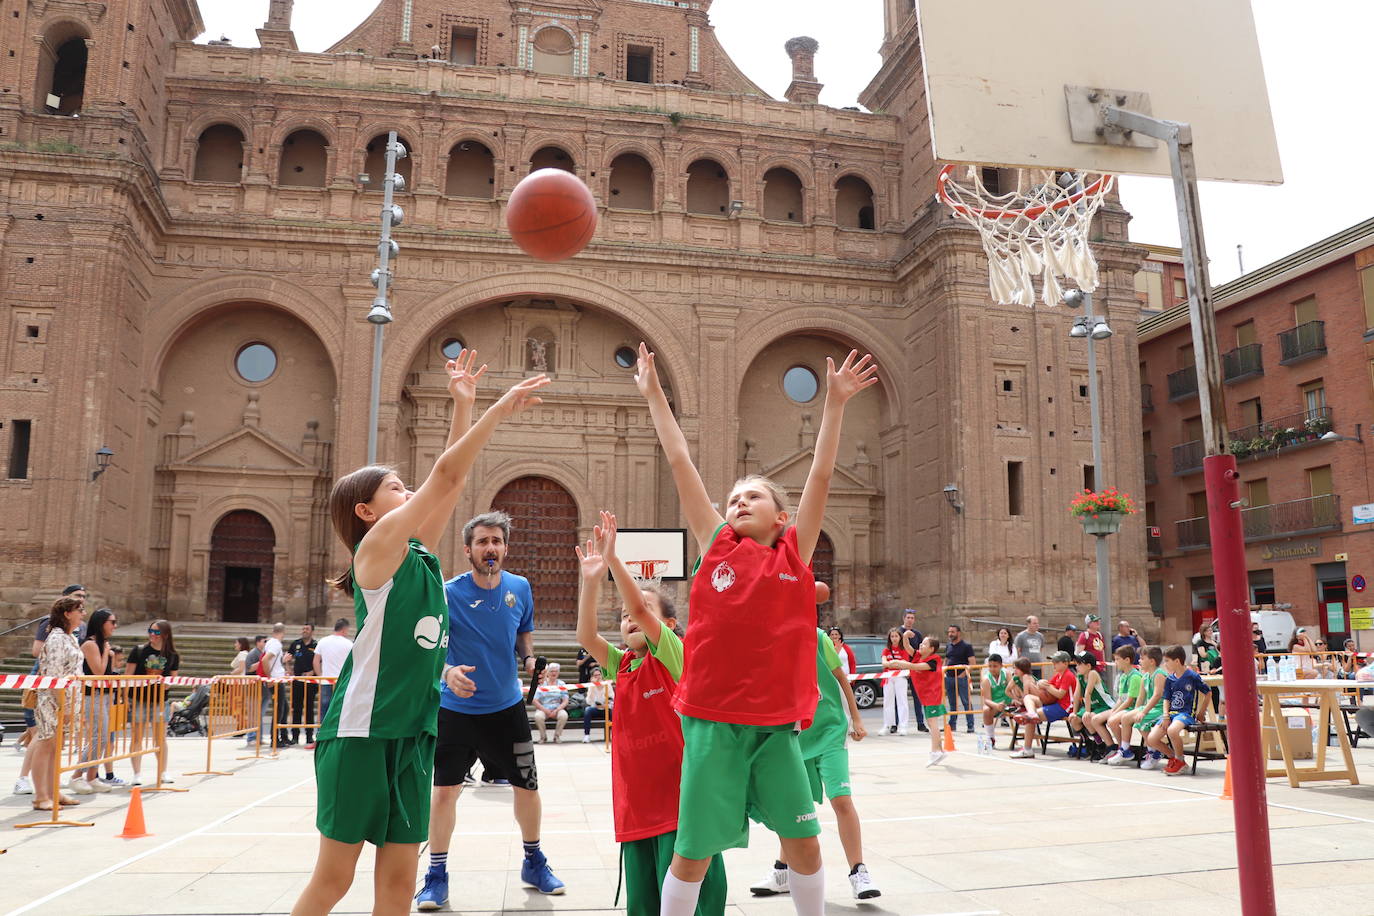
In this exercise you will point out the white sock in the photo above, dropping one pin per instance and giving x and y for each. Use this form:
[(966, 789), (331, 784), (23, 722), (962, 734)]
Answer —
[(987, 730), (680, 897), (808, 892)]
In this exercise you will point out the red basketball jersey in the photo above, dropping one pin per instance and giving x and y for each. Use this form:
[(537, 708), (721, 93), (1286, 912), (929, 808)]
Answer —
[(646, 751), (750, 651)]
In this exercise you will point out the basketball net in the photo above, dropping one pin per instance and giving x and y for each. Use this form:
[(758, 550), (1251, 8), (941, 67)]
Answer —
[(648, 572), (1040, 228)]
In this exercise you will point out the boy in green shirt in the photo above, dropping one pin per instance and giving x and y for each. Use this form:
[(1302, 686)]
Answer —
[(1129, 681)]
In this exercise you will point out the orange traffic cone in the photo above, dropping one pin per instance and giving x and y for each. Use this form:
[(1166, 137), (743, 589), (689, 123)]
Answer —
[(949, 736), (1226, 786), (134, 828)]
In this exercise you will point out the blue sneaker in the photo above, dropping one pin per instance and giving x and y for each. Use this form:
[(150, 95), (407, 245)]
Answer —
[(434, 895), (536, 872), (1073, 750)]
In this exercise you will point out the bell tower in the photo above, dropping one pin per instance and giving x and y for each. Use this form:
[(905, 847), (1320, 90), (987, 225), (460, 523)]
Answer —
[(276, 31)]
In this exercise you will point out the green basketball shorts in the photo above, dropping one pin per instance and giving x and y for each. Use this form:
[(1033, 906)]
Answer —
[(374, 790), (730, 771), (646, 862), (828, 774), (936, 711)]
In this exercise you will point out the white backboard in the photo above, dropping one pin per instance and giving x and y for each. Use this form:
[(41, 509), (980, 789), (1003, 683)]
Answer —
[(654, 544), (996, 72)]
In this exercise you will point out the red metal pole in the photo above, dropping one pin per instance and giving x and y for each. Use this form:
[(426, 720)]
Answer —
[(1238, 675)]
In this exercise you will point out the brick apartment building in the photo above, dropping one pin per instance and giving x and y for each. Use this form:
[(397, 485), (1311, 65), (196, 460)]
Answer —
[(1298, 362), (184, 272)]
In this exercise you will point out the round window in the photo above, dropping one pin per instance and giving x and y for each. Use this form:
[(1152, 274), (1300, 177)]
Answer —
[(451, 348), (626, 358), (800, 384), (256, 362)]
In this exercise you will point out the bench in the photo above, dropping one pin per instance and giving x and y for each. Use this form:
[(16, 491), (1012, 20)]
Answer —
[(1199, 729), (1045, 737)]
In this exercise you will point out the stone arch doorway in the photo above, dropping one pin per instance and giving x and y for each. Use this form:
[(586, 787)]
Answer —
[(543, 535), (242, 555), (823, 568)]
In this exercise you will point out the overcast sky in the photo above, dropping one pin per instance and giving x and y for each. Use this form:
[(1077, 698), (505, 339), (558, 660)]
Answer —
[(1316, 58)]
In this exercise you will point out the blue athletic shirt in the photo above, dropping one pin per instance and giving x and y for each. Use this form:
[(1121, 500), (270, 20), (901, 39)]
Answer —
[(483, 624), (1182, 692)]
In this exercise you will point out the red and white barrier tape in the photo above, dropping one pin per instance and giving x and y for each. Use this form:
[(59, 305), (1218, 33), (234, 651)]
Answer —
[(42, 682)]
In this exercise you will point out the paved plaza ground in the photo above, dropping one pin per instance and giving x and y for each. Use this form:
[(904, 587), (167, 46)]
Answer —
[(979, 835)]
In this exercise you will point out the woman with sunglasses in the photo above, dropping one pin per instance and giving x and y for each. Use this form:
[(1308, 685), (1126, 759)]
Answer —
[(157, 656)]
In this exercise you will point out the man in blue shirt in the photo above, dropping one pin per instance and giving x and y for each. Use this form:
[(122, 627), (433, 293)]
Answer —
[(491, 625), (958, 652)]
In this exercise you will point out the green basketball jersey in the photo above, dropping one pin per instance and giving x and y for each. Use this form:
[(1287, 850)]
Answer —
[(1130, 685), (389, 686), (1147, 689), (829, 727), (1099, 701), (997, 688)]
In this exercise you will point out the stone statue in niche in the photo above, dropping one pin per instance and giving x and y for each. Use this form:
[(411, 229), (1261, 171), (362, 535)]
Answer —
[(539, 354)]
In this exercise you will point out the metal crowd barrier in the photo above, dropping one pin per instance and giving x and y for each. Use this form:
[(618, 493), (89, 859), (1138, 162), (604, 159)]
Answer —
[(234, 710)]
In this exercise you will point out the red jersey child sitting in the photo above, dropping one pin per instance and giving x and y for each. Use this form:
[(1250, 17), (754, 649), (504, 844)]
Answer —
[(1051, 702)]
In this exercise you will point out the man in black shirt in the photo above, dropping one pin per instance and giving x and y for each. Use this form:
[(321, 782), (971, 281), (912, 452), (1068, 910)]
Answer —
[(303, 696), (1069, 640), (958, 652)]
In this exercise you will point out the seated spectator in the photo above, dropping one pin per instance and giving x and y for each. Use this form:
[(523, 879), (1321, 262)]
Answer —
[(1129, 679), (1051, 701), (596, 704), (1022, 682), (551, 702), (241, 649), (1147, 712), (1092, 705), (1188, 701), (1303, 649), (993, 688)]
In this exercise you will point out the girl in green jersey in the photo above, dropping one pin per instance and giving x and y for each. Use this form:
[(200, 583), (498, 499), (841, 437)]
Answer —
[(375, 753)]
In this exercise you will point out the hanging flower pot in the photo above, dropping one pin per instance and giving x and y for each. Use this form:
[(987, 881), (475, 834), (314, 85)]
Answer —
[(1102, 522), (1102, 512)]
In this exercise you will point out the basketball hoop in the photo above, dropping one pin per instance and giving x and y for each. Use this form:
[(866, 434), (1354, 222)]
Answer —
[(648, 572), (1041, 227)]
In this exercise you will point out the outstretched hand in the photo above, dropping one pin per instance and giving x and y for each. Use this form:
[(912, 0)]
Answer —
[(459, 682), (462, 379), (520, 396), (853, 376), (591, 561), (646, 372), (605, 534)]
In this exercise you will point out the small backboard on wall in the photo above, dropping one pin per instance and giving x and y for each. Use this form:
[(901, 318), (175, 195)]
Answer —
[(635, 544)]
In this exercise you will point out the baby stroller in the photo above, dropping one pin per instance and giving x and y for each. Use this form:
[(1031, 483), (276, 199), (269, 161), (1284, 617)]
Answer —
[(185, 718)]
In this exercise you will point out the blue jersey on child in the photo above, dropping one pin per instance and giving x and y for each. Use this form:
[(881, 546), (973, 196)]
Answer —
[(483, 624), (1184, 692)]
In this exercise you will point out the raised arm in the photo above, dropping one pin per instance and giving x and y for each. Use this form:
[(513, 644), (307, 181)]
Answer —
[(384, 546), (630, 594), (462, 387), (840, 385), (593, 569), (702, 517)]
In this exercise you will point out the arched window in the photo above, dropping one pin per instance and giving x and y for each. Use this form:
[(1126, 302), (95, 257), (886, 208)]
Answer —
[(303, 160), (632, 182), (551, 157), (471, 171), (708, 188), (62, 70), (219, 154), (553, 51), (375, 164), (854, 204), (782, 196)]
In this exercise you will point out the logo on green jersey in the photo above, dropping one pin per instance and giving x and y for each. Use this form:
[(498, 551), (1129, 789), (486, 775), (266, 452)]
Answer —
[(427, 632)]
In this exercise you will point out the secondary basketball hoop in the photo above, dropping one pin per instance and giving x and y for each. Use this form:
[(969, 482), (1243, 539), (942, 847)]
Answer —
[(1038, 228)]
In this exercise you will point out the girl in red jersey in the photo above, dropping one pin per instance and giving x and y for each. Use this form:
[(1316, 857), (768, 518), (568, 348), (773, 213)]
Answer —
[(740, 720), (925, 667), (646, 743)]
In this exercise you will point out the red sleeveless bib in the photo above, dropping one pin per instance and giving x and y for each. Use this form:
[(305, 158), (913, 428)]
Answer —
[(750, 651), (646, 751)]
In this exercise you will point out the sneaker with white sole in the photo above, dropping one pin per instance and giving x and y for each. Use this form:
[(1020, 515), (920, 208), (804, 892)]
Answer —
[(936, 758), (97, 786), (1120, 758), (1023, 754), (79, 787), (23, 786), (862, 884), (586, 739), (114, 782), (902, 731), (1151, 763), (774, 884)]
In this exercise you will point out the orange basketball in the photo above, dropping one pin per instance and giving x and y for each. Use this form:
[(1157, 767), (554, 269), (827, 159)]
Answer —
[(822, 593), (551, 215)]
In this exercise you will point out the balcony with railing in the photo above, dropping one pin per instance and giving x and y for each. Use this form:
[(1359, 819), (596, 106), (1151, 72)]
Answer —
[(1242, 363), (1183, 383), (1269, 437), (1277, 520), (1147, 398), (1154, 547), (1188, 457), (1151, 471), (1303, 342)]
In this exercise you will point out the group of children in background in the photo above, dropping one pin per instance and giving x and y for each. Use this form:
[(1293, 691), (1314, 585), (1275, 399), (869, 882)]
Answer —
[(1156, 694)]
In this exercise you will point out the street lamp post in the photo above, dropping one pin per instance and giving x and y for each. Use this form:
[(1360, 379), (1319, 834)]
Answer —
[(1095, 328), (380, 314)]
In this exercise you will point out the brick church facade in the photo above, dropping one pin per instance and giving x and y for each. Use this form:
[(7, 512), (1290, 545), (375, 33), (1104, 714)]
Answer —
[(186, 240)]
